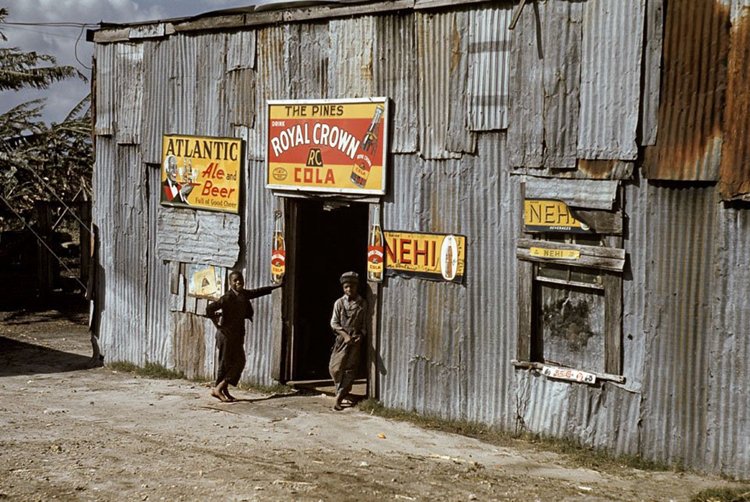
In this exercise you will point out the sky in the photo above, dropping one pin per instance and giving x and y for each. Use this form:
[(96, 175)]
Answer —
[(69, 46)]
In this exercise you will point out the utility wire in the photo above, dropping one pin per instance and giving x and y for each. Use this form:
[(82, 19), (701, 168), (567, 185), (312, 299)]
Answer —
[(41, 239), (52, 191)]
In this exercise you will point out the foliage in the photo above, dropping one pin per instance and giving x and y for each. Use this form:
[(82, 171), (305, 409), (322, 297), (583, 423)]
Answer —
[(39, 161)]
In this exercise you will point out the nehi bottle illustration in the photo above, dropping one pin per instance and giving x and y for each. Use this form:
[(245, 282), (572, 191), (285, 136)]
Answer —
[(368, 147), (278, 252), (449, 258), (375, 263)]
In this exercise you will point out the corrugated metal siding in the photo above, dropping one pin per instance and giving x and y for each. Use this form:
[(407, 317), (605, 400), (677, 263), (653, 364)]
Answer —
[(735, 157), (105, 89), (307, 47), (610, 79), (272, 82), (159, 327), (693, 85), (121, 215), (654, 38), (728, 431), (395, 74), (240, 78), (257, 235), (210, 100), (350, 58), (545, 77), (129, 104), (190, 236), (489, 68), (439, 44), (183, 76), (679, 286), (156, 58)]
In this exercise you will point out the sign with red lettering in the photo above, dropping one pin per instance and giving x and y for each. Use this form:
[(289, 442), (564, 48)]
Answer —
[(333, 145), (437, 257), (201, 172)]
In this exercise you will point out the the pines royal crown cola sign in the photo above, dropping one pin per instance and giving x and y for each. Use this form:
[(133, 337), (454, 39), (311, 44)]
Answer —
[(328, 145)]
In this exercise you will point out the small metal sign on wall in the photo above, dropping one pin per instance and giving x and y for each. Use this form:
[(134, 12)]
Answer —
[(336, 145), (437, 257), (201, 172)]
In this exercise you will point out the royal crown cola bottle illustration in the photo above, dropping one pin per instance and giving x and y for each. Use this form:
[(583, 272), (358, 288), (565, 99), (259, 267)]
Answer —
[(367, 148), (375, 256), (278, 251)]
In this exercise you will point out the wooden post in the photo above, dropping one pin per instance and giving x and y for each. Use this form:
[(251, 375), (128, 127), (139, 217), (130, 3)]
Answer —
[(45, 275)]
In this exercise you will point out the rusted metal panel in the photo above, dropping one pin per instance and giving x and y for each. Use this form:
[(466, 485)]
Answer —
[(735, 156), (128, 99), (190, 346), (240, 78), (489, 68), (190, 236), (693, 93), (395, 74), (210, 92), (183, 76), (610, 79), (350, 58), (105, 90), (654, 37), (440, 38), (156, 57), (307, 48)]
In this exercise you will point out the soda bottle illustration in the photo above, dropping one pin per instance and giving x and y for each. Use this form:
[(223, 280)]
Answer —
[(375, 263), (368, 147), (278, 252)]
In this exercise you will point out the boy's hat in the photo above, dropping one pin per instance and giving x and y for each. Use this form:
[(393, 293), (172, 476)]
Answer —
[(350, 277)]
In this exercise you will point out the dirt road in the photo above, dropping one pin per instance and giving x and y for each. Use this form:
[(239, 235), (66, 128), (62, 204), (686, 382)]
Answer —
[(74, 433)]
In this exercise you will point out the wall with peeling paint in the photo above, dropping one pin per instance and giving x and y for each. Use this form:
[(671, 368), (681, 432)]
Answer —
[(594, 90)]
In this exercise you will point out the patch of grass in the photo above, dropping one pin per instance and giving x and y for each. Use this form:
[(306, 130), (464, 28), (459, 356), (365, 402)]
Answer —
[(723, 495), (580, 455), (149, 370)]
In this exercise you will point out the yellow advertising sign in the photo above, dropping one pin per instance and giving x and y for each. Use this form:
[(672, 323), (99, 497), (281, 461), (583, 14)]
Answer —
[(438, 257), (201, 172), (328, 145), (545, 215), (557, 254)]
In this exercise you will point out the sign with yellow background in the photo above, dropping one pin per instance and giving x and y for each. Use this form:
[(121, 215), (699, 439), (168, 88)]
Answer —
[(437, 257), (547, 215), (328, 145), (201, 172)]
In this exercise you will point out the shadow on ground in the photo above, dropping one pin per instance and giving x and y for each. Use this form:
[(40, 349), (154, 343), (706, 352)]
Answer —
[(21, 358)]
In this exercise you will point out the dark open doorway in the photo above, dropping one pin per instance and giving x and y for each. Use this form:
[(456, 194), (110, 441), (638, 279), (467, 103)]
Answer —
[(331, 238)]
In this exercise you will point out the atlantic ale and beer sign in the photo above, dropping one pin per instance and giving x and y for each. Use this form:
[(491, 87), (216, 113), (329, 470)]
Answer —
[(201, 172), (328, 145), (437, 257)]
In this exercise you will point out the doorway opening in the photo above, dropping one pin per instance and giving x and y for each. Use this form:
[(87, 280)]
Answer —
[(330, 238)]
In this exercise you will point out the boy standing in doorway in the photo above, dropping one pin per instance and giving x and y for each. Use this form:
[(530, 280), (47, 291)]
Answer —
[(349, 324), (235, 307)]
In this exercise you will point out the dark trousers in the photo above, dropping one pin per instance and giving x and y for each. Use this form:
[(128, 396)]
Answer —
[(231, 357)]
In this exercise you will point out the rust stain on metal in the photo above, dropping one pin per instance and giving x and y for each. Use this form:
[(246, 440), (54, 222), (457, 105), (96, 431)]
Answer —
[(735, 159), (598, 169), (694, 79)]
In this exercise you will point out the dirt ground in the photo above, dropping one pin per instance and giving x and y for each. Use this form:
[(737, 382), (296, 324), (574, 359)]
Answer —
[(73, 432)]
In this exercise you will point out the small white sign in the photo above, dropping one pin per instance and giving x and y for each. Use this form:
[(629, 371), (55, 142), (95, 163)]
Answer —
[(568, 374)]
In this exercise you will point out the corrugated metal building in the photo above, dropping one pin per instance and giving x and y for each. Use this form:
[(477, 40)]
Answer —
[(633, 113)]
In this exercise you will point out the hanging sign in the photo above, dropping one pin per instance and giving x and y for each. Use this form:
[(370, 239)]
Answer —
[(375, 256), (278, 251), (206, 281), (437, 257), (557, 254), (543, 215), (336, 145), (201, 172)]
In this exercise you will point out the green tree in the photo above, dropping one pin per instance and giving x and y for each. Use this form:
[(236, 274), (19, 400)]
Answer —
[(39, 161)]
